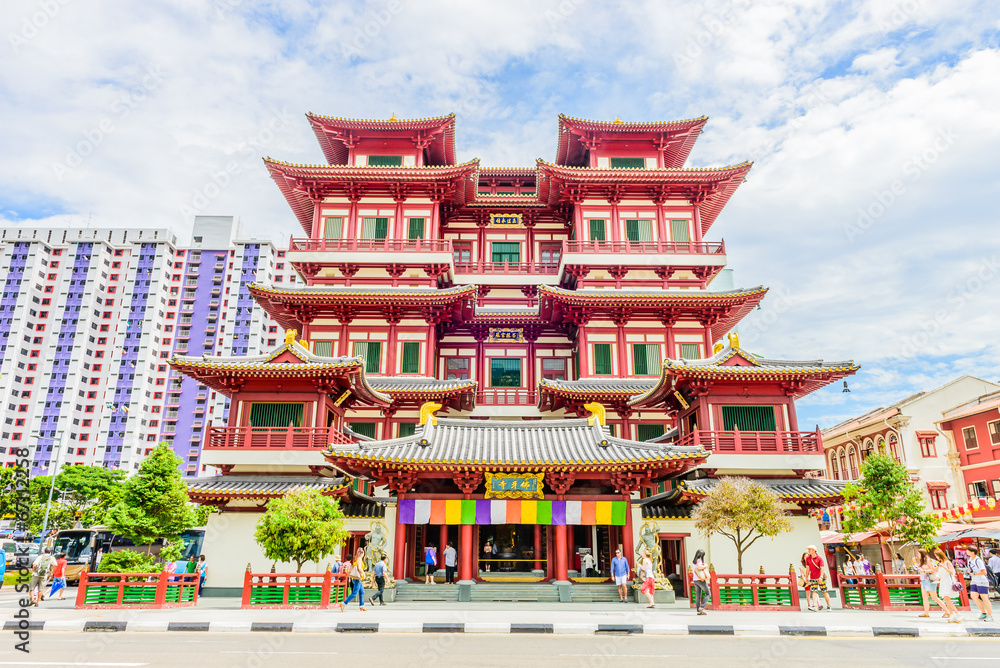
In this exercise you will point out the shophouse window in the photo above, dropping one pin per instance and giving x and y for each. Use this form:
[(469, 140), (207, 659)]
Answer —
[(506, 251), (645, 359), (994, 432), (927, 446), (748, 418), (411, 357), (627, 163), (602, 359), (978, 489), (334, 228), (596, 229), (374, 228), (505, 372), (372, 352), (969, 436), (639, 230), (385, 161), (456, 368), (647, 432), (415, 228), (554, 369), (939, 499)]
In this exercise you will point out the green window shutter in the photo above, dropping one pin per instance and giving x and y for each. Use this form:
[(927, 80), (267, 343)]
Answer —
[(385, 161), (415, 228), (639, 230), (640, 359), (647, 432), (334, 227), (748, 418), (596, 229), (369, 429), (407, 429), (374, 228), (679, 230), (505, 372), (323, 348), (690, 351), (602, 359), (268, 414), (411, 357), (372, 352), (628, 163), (505, 251)]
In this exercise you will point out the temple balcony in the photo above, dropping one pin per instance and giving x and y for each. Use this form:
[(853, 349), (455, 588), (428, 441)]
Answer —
[(503, 273), (645, 253), (506, 397), (753, 451), (269, 445), (384, 251)]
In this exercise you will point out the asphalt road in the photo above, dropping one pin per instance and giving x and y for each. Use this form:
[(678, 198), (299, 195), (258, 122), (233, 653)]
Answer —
[(190, 650)]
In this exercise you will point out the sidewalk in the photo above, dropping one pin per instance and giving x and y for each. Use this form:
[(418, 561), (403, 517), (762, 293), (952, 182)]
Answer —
[(222, 615)]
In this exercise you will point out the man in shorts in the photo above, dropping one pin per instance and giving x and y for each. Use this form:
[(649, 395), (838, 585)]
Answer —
[(817, 580), (979, 587), (40, 573), (620, 571)]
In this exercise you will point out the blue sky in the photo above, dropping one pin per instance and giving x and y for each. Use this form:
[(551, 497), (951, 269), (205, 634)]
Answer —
[(870, 212)]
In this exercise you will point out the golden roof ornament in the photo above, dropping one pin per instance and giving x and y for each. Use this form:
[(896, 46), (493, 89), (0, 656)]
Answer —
[(597, 413), (427, 411), (618, 121), (734, 340), (290, 336), (393, 119)]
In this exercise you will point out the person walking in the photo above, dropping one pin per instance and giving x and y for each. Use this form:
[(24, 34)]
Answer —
[(865, 566), (356, 574), (648, 583), (848, 569), (430, 564), (588, 565), (699, 577), (192, 565), (379, 572), (979, 587), (817, 579), (450, 561), (946, 585), (59, 576), (41, 571), (994, 562), (898, 565), (202, 573), (927, 569), (619, 571)]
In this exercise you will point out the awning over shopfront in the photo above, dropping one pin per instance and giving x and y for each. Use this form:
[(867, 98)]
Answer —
[(851, 538)]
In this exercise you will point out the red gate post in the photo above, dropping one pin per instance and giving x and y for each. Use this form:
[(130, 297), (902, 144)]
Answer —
[(324, 597), (793, 587), (964, 594), (755, 584), (714, 586), (884, 603), (690, 577), (81, 589), (247, 584), (538, 547), (160, 598)]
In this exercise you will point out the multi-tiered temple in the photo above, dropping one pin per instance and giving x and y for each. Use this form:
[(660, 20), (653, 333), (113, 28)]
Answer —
[(557, 324)]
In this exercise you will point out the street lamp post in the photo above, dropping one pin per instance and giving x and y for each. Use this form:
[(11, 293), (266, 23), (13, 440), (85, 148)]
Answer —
[(53, 470)]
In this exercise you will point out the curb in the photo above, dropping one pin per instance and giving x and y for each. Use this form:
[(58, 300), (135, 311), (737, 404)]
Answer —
[(504, 628)]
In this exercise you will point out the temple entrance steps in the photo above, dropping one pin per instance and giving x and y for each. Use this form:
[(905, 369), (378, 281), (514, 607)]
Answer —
[(517, 592)]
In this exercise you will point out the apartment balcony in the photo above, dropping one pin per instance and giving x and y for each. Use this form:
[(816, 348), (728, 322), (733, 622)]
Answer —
[(273, 438), (384, 251), (507, 397), (742, 450)]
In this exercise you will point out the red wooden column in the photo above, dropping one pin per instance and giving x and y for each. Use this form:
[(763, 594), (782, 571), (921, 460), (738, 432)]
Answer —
[(538, 547), (467, 482), (443, 543), (560, 483), (562, 573), (399, 547)]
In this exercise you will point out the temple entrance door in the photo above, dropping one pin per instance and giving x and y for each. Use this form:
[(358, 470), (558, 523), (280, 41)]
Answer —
[(514, 548), (675, 564)]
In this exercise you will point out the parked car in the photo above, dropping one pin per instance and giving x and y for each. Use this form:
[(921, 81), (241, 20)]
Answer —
[(29, 550), (10, 548)]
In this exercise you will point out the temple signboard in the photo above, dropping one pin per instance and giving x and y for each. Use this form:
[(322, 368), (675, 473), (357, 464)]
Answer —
[(506, 220), (506, 335), (514, 485)]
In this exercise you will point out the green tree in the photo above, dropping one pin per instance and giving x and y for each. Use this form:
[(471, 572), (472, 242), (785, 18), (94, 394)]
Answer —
[(884, 497), (743, 511), (154, 502), (11, 478), (89, 491), (301, 526)]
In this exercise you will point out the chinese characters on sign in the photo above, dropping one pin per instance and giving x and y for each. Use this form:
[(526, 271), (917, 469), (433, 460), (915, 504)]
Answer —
[(506, 335), (506, 220), (514, 485)]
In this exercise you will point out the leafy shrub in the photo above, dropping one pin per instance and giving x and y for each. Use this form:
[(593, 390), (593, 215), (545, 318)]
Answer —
[(125, 561)]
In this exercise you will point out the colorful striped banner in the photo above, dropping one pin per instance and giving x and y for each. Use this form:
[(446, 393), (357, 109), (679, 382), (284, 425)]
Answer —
[(507, 511)]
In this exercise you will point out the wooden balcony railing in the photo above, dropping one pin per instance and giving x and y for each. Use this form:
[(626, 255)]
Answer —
[(647, 247), (373, 245), (506, 268), (274, 438), (755, 442), (507, 397)]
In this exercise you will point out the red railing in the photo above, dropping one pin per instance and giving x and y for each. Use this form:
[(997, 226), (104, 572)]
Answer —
[(753, 591), (274, 438), (506, 268), (294, 590), (884, 591), (137, 590), (650, 247), (375, 245), (754, 442), (512, 397)]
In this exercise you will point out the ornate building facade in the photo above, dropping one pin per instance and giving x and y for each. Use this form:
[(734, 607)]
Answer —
[(528, 358)]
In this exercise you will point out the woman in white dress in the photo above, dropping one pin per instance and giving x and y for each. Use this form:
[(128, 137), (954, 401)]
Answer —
[(946, 573)]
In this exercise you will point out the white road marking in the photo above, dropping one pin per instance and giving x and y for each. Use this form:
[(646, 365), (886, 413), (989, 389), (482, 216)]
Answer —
[(269, 651), (64, 663)]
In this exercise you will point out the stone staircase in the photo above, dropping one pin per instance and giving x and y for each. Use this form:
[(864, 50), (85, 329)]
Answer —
[(486, 592)]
